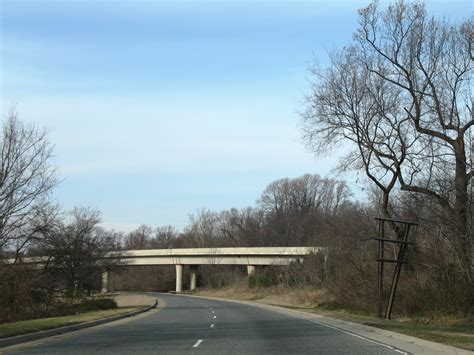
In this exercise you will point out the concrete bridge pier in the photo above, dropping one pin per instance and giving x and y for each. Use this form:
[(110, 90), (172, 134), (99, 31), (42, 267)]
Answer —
[(179, 278), (193, 278), (105, 282)]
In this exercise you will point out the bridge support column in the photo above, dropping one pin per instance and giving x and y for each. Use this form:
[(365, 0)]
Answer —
[(179, 278), (250, 270), (105, 282), (193, 278)]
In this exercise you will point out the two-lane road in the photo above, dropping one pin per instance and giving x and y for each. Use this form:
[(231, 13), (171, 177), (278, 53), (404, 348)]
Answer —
[(192, 325)]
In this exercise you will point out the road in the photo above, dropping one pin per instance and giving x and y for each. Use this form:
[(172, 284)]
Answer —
[(192, 325)]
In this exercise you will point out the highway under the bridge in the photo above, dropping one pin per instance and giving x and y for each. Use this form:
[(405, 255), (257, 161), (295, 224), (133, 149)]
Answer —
[(193, 325)]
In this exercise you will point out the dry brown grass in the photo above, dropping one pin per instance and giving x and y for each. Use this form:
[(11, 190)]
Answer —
[(278, 295)]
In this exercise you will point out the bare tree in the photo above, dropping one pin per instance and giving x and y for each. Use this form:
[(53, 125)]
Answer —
[(401, 94), (164, 237), (139, 238), (26, 180), (303, 194), (77, 251), (242, 227), (202, 231), (294, 208)]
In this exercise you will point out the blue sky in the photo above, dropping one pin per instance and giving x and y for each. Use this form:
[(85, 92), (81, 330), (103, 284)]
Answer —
[(157, 109)]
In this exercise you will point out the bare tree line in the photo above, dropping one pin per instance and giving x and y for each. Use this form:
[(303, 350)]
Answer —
[(288, 213), (400, 95), (145, 237)]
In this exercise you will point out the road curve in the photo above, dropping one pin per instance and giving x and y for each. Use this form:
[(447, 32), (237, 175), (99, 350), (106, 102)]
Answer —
[(193, 325)]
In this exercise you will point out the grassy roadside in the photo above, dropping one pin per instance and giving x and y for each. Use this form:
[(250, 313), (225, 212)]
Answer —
[(35, 325), (446, 330)]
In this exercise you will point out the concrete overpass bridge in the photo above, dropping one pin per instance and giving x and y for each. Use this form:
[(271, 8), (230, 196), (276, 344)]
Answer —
[(250, 257)]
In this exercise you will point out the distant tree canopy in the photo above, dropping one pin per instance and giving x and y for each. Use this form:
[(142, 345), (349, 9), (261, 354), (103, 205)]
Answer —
[(401, 94), (145, 237), (290, 212), (296, 208)]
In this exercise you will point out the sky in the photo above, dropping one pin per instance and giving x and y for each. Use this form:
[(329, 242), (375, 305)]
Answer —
[(158, 109)]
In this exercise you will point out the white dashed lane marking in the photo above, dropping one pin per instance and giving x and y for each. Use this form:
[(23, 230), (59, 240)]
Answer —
[(197, 343)]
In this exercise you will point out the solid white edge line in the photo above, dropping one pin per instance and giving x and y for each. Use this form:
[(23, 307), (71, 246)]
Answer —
[(355, 335), (197, 343)]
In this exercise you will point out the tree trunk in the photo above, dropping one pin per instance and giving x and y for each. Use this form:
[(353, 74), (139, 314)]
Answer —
[(462, 237)]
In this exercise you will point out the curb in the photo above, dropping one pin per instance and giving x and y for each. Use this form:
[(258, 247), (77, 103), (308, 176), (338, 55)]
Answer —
[(69, 328), (409, 344)]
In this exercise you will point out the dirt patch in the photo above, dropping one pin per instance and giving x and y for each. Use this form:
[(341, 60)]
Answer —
[(133, 300)]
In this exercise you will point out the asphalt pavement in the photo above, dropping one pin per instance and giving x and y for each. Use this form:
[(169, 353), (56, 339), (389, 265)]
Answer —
[(193, 325)]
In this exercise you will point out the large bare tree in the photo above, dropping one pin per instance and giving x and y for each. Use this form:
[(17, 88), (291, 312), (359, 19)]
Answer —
[(26, 180), (77, 248), (401, 93)]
